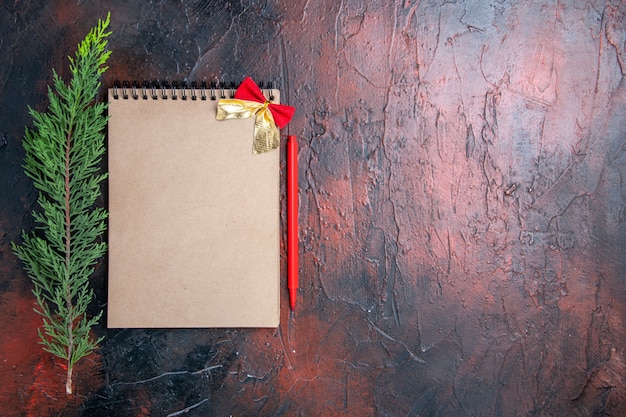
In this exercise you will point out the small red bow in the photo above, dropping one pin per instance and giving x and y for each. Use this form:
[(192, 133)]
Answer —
[(249, 101), (248, 90)]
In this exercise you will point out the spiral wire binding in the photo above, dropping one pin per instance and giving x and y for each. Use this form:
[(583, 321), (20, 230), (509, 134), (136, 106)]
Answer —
[(212, 91)]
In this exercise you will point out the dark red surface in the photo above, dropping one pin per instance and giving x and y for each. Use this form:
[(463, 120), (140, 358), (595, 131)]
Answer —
[(462, 210)]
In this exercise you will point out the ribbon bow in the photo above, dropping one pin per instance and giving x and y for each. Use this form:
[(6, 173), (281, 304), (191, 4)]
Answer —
[(249, 101)]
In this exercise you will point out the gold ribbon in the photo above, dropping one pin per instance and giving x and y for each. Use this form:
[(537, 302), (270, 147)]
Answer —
[(266, 134)]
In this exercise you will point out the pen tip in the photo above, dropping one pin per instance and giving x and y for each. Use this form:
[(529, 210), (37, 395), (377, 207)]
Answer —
[(292, 298)]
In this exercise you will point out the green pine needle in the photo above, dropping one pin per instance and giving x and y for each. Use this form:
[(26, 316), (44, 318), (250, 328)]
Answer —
[(63, 154)]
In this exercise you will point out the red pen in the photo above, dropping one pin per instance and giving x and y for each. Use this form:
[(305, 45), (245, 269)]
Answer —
[(292, 219)]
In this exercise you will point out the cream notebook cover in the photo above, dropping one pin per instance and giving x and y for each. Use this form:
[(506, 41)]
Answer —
[(193, 217)]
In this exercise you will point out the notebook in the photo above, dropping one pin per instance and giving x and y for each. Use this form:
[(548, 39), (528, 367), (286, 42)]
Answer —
[(193, 214)]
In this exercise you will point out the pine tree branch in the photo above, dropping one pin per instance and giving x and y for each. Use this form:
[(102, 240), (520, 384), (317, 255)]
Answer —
[(63, 153)]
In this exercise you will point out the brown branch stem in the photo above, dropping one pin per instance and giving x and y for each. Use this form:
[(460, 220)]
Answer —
[(68, 293)]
